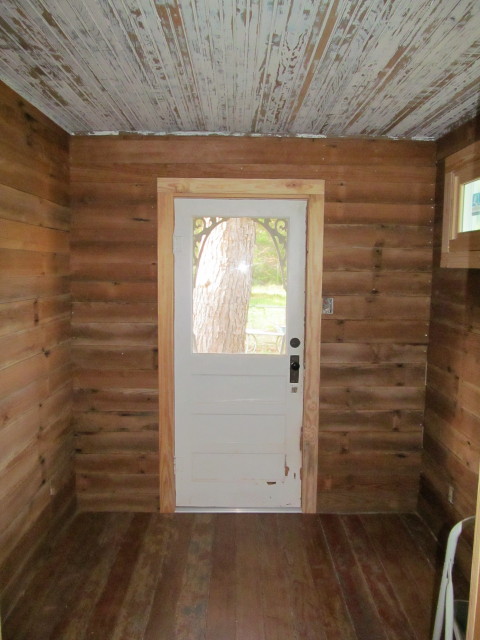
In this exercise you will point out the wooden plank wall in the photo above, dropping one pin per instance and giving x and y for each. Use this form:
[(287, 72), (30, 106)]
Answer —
[(379, 207), (452, 411), (36, 447)]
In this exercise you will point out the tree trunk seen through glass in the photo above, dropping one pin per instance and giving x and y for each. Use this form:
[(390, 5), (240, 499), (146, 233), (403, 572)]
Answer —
[(222, 289)]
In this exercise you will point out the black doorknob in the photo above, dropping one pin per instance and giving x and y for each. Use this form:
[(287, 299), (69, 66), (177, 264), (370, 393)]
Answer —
[(295, 366)]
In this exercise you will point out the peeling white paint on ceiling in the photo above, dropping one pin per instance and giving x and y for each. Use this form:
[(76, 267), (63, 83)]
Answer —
[(397, 68)]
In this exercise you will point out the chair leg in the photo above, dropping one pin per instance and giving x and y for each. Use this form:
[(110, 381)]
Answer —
[(440, 614), (444, 614)]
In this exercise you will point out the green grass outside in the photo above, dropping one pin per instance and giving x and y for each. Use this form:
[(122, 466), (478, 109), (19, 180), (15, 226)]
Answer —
[(266, 313)]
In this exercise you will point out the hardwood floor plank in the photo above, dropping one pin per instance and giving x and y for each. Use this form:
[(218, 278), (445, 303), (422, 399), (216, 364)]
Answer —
[(333, 609), (361, 606), (73, 625), (278, 615), (407, 569), (191, 613), (134, 614), (387, 604), (161, 623), (14, 626), (221, 602), (52, 595), (423, 538), (103, 619), (305, 601), (248, 594)]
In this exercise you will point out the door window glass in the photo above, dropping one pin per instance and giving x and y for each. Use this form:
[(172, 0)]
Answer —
[(239, 285)]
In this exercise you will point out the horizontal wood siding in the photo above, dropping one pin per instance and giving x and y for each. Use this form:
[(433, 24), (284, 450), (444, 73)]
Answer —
[(36, 445), (379, 207), (452, 414)]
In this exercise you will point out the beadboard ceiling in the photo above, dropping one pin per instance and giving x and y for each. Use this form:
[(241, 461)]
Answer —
[(397, 68)]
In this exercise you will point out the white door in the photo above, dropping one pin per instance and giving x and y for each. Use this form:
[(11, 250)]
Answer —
[(239, 333)]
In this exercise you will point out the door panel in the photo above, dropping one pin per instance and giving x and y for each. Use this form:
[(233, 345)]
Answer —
[(237, 416)]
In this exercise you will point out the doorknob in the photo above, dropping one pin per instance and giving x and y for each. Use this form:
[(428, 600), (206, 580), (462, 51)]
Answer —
[(294, 369)]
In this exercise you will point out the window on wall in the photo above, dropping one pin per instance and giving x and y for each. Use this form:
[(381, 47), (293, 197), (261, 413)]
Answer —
[(461, 210), (470, 206)]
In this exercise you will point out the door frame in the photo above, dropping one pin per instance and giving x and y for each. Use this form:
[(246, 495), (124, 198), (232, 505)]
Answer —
[(313, 192)]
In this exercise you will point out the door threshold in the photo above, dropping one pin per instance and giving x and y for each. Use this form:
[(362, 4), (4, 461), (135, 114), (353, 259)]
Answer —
[(241, 510)]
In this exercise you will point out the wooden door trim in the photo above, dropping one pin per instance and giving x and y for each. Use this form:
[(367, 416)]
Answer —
[(313, 192)]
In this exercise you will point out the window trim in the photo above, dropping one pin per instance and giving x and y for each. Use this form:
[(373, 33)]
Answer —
[(459, 249)]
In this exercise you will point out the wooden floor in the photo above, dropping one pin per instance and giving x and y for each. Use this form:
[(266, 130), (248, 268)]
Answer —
[(233, 577)]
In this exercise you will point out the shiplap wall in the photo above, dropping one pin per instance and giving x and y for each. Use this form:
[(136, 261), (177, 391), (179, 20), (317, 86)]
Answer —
[(452, 412), (36, 447), (379, 209)]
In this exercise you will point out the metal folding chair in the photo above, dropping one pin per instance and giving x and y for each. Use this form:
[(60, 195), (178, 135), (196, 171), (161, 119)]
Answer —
[(451, 614)]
